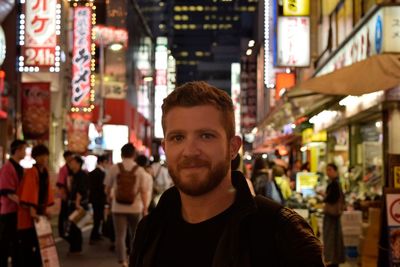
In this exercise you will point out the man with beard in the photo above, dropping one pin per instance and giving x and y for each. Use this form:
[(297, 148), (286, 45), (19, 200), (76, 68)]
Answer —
[(210, 218)]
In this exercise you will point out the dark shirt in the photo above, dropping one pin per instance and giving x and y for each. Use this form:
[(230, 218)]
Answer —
[(18, 168), (43, 191), (79, 185), (333, 192), (96, 186), (186, 244)]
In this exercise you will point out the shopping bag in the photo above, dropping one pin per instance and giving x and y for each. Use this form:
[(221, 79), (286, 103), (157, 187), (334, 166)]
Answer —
[(47, 246), (80, 217)]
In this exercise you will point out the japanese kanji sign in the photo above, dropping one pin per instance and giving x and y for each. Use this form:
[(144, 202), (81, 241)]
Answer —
[(293, 42), (248, 93), (41, 30), (81, 57)]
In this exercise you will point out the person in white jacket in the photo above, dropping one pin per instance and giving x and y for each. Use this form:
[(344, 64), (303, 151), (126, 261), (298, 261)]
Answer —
[(127, 216), (162, 179)]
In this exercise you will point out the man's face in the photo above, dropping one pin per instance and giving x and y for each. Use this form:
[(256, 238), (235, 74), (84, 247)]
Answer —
[(330, 172), (42, 160), (198, 152), (68, 159), (73, 165), (20, 152)]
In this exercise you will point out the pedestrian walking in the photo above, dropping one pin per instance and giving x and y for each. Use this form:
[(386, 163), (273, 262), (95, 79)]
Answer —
[(97, 196), (161, 178), (10, 177), (77, 188), (128, 186), (210, 218), (61, 184), (35, 196)]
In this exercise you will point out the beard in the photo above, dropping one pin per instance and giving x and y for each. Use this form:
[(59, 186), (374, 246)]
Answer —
[(194, 184)]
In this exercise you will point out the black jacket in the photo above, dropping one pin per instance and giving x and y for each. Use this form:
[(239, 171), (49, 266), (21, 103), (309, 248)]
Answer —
[(259, 233), (97, 193)]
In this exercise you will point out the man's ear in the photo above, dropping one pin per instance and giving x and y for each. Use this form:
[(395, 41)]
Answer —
[(235, 144), (163, 144)]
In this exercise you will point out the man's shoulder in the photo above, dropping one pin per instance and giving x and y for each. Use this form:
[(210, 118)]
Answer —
[(141, 173), (8, 165), (292, 235), (275, 213)]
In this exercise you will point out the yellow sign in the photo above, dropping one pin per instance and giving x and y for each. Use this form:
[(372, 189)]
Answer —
[(309, 136), (306, 181), (296, 7), (396, 176)]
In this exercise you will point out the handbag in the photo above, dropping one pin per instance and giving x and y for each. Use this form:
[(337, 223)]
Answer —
[(334, 209), (80, 217)]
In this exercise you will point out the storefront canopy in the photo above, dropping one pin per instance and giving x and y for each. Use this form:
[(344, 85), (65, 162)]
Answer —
[(378, 72)]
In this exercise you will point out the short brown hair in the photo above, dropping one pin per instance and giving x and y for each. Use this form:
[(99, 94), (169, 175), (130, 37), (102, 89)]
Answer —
[(200, 93)]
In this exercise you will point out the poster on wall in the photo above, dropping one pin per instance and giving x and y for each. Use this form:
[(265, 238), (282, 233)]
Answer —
[(394, 170), (35, 102), (78, 132)]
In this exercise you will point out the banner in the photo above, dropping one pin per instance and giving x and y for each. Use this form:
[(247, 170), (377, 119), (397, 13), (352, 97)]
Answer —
[(82, 57), (78, 132), (248, 93), (35, 104)]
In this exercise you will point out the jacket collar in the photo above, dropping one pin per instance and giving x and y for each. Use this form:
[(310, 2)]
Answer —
[(170, 204)]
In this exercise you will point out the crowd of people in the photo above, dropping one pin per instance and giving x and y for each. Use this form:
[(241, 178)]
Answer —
[(26, 194)]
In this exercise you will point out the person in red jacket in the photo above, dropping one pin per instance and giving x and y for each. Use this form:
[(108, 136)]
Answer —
[(35, 196), (10, 177)]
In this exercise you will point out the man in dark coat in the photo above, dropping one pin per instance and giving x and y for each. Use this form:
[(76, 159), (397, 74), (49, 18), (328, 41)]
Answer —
[(210, 218), (97, 196)]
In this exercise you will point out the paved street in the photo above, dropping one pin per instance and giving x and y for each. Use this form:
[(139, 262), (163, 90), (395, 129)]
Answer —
[(97, 255)]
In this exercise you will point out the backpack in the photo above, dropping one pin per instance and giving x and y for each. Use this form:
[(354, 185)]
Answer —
[(125, 185), (260, 184)]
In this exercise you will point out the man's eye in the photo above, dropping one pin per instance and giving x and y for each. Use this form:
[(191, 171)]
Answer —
[(207, 136), (176, 138)]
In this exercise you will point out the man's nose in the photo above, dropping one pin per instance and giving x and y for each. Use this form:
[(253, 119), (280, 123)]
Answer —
[(191, 147)]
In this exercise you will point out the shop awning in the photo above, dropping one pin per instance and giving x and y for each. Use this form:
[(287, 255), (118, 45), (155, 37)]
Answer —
[(378, 72)]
